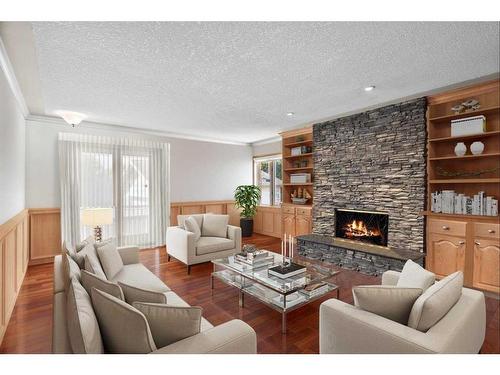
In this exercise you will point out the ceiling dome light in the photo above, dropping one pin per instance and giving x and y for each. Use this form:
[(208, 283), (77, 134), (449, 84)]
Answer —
[(290, 114), (369, 88), (72, 118)]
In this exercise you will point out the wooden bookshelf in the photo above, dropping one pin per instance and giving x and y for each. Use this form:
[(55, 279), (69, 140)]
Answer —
[(454, 242)]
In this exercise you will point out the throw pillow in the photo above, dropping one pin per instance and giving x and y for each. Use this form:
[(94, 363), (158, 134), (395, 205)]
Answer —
[(436, 301), (90, 240), (70, 269), (90, 280), (170, 324), (92, 265), (87, 250), (391, 302), (83, 329), (182, 218), (111, 260), (414, 276), (69, 249), (215, 225), (192, 226), (124, 329), (133, 294)]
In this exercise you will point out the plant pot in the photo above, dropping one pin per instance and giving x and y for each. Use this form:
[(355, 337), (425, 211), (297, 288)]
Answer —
[(246, 224)]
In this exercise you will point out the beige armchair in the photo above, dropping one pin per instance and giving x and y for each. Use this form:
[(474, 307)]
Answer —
[(183, 246), (347, 329)]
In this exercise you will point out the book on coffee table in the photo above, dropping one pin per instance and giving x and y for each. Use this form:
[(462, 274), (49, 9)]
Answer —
[(285, 271)]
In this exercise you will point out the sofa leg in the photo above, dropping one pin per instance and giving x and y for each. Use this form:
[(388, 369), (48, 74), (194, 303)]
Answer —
[(168, 258), (189, 269)]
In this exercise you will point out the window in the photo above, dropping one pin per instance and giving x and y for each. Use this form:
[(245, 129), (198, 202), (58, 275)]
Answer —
[(268, 176)]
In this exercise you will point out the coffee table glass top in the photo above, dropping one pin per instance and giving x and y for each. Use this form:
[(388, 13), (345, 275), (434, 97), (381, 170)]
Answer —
[(315, 272)]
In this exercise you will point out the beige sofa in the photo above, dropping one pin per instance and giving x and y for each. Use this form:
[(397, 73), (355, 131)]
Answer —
[(234, 336), (182, 244), (347, 329)]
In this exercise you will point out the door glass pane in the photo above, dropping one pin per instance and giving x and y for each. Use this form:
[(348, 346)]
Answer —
[(135, 200), (96, 188), (278, 183)]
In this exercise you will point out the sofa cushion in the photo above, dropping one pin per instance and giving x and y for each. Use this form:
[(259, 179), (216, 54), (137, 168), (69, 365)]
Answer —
[(134, 294), (139, 276), (214, 225), (124, 329), (70, 269), (415, 276), (93, 265), (89, 240), (174, 300), (436, 301), (208, 245), (192, 226), (389, 301), (83, 329), (182, 218), (170, 324), (110, 258), (90, 280)]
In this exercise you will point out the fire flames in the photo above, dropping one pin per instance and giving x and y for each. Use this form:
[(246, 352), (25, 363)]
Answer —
[(358, 229)]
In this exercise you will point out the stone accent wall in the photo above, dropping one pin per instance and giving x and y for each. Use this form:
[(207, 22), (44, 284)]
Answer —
[(374, 161)]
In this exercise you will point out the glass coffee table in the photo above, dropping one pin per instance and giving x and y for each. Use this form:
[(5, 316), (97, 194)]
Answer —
[(282, 295)]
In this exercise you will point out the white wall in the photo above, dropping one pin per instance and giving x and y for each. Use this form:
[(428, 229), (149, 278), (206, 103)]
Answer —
[(199, 170), (12, 154), (267, 148)]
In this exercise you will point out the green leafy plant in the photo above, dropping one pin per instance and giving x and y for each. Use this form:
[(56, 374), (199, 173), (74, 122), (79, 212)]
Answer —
[(247, 198)]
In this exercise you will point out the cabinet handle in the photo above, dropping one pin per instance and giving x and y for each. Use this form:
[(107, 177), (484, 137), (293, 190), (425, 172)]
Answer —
[(461, 242), (445, 227), (491, 231), (477, 243)]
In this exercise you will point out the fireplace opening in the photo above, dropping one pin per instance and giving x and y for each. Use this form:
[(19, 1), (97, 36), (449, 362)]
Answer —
[(362, 226)]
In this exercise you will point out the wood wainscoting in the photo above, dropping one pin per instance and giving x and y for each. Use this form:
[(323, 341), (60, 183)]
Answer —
[(268, 221), (45, 234), (203, 207), (14, 258)]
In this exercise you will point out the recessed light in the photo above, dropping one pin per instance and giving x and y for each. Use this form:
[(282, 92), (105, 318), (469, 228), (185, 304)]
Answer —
[(290, 114), (369, 88)]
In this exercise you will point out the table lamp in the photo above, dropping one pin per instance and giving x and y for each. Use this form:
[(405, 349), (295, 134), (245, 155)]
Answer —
[(96, 217)]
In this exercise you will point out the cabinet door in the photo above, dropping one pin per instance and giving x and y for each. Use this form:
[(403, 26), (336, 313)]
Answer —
[(486, 265), (289, 224), (302, 225), (445, 254)]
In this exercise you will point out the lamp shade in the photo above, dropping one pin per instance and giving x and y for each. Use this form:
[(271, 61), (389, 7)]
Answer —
[(97, 216)]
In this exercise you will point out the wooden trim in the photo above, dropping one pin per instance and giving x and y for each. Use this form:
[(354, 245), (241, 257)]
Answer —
[(463, 92), (292, 133), (14, 254)]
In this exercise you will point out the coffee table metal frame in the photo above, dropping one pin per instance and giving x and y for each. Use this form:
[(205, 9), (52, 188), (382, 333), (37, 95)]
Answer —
[(244, 289)]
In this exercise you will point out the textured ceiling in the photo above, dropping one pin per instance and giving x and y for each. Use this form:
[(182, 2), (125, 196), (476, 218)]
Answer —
[(237, 81)]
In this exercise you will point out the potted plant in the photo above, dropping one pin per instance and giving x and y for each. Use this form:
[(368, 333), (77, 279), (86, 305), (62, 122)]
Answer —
[(247, 198)]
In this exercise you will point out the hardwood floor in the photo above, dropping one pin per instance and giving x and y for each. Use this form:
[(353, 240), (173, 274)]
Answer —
[(30, 327)]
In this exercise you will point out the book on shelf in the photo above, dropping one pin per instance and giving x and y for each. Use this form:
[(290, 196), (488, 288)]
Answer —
[(449, 202)]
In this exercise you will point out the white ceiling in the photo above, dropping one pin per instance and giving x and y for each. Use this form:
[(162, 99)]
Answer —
[(237, 81)]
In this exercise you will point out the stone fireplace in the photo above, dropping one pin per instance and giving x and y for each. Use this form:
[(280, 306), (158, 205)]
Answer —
[(373, 162)]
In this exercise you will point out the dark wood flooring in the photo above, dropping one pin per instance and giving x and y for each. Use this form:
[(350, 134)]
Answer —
[(30, 327)]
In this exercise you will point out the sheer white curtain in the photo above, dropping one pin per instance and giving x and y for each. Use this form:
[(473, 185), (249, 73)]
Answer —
[(129, 175)]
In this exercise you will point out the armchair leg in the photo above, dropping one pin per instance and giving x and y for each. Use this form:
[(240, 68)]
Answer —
[(168, 258), (189, 269)]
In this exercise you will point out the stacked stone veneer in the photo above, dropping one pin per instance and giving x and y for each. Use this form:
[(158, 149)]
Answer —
[(374, 161)]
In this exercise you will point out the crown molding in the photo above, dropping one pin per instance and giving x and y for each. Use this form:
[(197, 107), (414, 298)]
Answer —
[(6, 66), (266, 141), (42, 119)]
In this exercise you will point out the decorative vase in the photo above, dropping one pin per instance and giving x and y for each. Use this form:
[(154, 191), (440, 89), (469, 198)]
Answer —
[(477, 148), (460, 149)]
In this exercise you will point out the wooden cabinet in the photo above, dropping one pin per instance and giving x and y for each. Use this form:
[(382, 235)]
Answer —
[(267, 221), (297, 221), (486, 265), (445, 254)]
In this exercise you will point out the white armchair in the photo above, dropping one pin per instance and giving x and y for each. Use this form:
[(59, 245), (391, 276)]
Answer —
[(344, 328), (182, 244)]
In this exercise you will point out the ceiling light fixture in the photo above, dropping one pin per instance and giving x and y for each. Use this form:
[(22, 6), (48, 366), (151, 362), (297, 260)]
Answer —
[(290, 114), (369, 88), (72, 118)]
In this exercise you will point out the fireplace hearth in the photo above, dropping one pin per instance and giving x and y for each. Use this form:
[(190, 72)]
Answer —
[(362, 226)]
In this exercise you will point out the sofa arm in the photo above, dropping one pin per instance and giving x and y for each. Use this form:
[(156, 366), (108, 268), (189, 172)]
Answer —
[(390, 277), (233, 337), (346, 329), (181, 244), (129, 254), (234, 233)]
